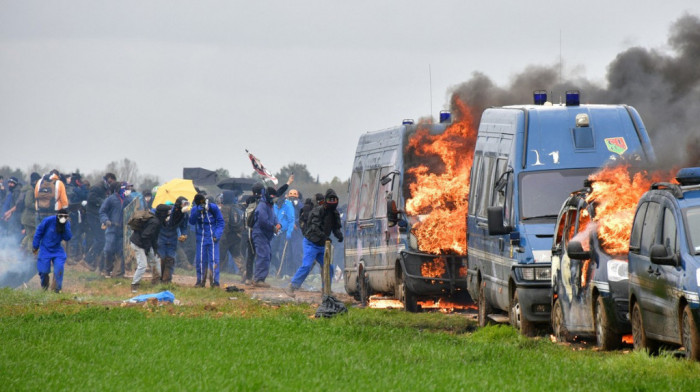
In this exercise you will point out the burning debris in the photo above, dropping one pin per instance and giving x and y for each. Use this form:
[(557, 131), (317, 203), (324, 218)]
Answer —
[(616, 191), (440, 191)]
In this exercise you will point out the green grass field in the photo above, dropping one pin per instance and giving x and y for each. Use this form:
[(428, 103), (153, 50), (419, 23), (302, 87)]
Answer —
[(212, 342)]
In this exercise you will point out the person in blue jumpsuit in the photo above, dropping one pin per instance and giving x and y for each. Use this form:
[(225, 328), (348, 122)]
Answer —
[(47, 244), (284, 210), (264, 229), (209, 227), (112, 218), (173, 228)]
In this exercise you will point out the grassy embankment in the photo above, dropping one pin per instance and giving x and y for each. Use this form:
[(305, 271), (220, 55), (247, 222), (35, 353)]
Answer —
[(212, 342)]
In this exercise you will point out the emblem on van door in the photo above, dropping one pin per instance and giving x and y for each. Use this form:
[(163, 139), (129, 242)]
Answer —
[(616, 145)]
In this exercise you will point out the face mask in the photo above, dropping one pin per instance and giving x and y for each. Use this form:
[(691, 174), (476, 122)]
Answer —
[(127, 192), (148, 198), (295, 202), (62, 220)]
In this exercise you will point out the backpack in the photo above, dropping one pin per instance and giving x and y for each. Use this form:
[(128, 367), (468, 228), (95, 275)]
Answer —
[(250, 214), (138, 220), (46, 196)]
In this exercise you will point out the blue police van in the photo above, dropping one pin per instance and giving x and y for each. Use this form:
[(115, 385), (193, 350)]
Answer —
[(527, 160), (381, 253), (664, 266)]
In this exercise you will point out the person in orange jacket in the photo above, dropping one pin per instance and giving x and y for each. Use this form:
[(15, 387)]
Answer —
[(50, 195)]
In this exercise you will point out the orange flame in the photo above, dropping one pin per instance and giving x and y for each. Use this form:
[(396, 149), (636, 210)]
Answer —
[(378, 301), (627, 339), (434, 268), (445, 306), (616, 193), (442, 196)]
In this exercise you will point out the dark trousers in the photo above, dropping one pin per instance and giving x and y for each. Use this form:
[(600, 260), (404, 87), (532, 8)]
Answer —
[(95, 238)]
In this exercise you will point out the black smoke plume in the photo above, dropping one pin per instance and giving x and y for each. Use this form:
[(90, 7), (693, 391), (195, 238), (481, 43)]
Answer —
[(664, 88)]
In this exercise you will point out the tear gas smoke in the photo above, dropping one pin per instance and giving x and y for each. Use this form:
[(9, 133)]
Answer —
[(664, 88), (16, 265)]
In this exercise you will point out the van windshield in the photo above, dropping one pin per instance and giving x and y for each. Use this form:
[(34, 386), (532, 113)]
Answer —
[(692, 217), (542, 193)]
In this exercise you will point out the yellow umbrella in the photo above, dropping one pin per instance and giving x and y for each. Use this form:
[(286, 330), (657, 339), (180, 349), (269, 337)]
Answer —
[(173, 189)]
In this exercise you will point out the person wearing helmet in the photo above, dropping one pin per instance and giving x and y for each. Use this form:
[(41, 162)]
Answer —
[(264, 228), (47, 245)]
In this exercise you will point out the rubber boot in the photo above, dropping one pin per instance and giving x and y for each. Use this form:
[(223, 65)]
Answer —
[(155, 279), (167, 264)]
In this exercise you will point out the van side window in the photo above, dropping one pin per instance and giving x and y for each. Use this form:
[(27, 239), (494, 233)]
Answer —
[(651, 221), (475, 189), (368, 193), (354, 195), (636, 236), (488, 173), (499, 195), (669, 237), (384, 190)]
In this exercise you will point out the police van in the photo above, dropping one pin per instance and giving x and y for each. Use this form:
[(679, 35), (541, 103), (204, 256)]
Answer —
[(381, 254), (527, 160)]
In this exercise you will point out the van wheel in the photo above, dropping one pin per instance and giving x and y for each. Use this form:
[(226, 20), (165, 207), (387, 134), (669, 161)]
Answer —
[(526, 327), (690, 335), (406, 296), (560, 331), (606, 336), (484, 308), (639, 337)]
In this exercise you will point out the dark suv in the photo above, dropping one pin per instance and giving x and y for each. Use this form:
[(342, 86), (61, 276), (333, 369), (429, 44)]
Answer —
[(589, 287), (664, 261)]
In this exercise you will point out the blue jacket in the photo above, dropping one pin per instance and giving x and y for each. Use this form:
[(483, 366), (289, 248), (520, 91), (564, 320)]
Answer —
[(48, 241), (285, 216), (207, 224), (265, 220), (112, 210), (170, 231)]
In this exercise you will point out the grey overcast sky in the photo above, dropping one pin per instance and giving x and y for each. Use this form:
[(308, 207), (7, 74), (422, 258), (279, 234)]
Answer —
[(172, 84)]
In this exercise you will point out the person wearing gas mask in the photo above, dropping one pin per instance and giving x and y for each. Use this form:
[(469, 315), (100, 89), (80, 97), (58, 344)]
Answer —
[(112, 219), (323, 220), (208, 222), (265, 227), (173, 229), (10, 221), (47, 245)]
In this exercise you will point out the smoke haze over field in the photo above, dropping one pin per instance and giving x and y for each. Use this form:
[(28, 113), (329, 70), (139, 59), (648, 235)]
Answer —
[(171, 83), (664, 88)]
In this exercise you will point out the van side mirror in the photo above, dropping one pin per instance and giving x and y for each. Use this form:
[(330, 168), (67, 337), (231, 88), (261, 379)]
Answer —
[(575, 251), (494, 215), (660, 256)]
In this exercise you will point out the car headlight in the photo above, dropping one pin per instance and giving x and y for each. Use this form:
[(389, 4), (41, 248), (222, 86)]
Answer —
[(536, 273), (617, 270)]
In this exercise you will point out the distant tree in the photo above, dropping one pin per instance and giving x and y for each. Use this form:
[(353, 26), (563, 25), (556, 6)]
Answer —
[(222, 174), (8, 172), (39, 169), (301, 173), (148, 182), (125, 170)]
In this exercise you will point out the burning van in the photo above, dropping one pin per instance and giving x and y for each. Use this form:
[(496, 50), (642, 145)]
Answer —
[(589, 285), (384, 251), (527, 160)]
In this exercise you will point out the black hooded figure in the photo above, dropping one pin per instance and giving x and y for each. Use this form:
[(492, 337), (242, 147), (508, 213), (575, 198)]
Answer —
[(323, 220)]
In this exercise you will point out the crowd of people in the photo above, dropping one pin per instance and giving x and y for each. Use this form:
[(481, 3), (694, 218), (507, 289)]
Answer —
[(63, 219)]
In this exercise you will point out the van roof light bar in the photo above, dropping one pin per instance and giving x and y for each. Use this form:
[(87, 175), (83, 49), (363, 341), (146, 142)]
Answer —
[(573, 98), (407, 121), (540, 97)]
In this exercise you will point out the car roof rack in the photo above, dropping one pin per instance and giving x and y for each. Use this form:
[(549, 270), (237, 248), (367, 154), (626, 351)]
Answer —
[(676, 190)]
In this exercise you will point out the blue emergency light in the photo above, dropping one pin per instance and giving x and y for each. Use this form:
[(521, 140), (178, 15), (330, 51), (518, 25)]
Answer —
[(407, 121), (689, 176), (573, 98), (540, 97), (445, 116)]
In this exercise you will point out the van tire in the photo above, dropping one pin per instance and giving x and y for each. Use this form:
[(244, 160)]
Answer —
[(526, 327), (406, 296), (484, 308), (607, 338), (690, 336), (558, 328), (639, 336)]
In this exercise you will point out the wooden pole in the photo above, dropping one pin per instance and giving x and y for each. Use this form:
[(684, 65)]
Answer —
[(326, 275)]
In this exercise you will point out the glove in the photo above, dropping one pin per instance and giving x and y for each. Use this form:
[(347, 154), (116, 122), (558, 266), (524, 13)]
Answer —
[(340, 239), (182, 238), (108, 224), (186, 209), (35, 251)]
